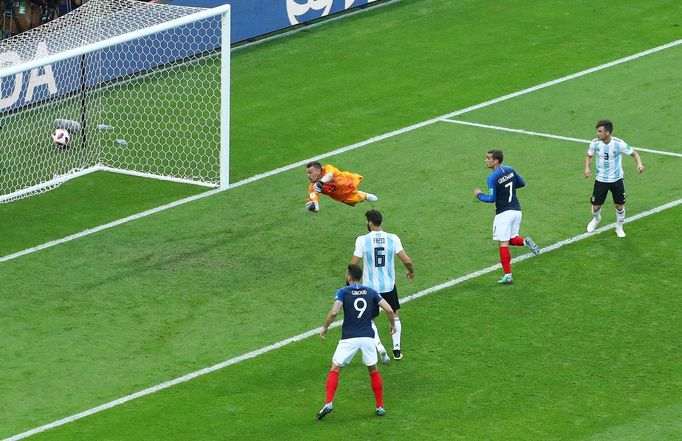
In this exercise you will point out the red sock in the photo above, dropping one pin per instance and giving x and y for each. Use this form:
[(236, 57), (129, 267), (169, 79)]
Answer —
[(516, 241), (377, 387), (332, 384), (505, 259)]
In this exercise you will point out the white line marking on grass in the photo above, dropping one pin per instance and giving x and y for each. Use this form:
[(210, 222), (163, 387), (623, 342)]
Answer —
[(542, 251), (336, 152), (548, 135), (333, 153), (167, 384), (315, 331), (566, 78), (106, 226)]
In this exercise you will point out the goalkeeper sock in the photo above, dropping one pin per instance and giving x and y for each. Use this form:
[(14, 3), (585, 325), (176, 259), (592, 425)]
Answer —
[(332, 384), (369, 196), (377, 387), (516, 241), (505, 259)]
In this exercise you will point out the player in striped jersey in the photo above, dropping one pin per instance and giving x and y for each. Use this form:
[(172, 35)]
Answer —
[(502, 185), (609, 173), (339, 185), (377, 249)]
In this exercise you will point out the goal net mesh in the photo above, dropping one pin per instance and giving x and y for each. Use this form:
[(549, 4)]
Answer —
[(149, 106)]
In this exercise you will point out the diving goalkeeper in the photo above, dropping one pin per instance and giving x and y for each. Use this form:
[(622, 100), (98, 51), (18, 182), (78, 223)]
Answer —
[(339, 185)]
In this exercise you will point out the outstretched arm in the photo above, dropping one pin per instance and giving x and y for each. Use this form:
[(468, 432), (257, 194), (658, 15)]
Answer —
[(313, 202)]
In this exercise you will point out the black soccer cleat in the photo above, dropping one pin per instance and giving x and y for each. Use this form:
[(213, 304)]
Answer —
[(397, 355)]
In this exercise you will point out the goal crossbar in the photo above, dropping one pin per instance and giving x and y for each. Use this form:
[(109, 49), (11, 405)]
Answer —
[(202, 14), (182, 64)]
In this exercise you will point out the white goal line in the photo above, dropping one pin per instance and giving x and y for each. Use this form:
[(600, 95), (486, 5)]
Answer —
[(549, 135), (312, 332), (336, 152)]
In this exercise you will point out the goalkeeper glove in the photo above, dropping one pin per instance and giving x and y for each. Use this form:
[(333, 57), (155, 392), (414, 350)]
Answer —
[(318, 186)]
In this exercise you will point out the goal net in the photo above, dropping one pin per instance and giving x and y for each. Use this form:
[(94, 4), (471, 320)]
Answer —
[(141, 88)]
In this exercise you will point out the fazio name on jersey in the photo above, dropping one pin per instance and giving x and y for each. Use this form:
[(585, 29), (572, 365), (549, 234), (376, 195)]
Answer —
[(505, 178)]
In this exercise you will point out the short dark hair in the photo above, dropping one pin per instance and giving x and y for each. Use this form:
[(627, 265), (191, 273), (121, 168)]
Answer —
[(374, 216), (355, 273), (314, 164), (606, 124), (497, 154)]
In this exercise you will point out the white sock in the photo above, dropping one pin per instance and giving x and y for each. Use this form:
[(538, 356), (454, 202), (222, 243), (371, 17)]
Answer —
[(377, 340), (396, 335), (620, 217), (596, 214), (371, 197)]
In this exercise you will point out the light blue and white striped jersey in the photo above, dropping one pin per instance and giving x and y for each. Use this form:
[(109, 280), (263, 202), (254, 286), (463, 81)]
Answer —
[(609, 158), (378, 250)]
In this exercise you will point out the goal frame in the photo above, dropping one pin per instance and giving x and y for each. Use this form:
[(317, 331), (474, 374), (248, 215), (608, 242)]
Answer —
[(224, 11)]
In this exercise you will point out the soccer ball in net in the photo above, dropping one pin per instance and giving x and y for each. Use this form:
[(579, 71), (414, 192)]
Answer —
[(61, 137)]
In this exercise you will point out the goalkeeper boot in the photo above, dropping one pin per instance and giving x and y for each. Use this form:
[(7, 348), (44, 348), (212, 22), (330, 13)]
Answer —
[(326, 409), (380, 411), (506, 280), (530, 243)]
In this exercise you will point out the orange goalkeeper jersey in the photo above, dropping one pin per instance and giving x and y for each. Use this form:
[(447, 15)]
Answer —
[(343, 187)]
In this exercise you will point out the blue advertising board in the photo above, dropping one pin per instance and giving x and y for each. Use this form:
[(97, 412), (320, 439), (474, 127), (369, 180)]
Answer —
[(250, 19)]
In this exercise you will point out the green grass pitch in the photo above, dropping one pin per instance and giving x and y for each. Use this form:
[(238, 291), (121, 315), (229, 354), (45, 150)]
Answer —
[(584, 345)]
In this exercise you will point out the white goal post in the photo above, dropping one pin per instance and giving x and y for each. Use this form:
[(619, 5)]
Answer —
[(142, 88)]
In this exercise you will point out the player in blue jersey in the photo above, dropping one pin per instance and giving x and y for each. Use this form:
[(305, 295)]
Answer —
[(357, 302), (377, 250), (502, 185), (609, 176)]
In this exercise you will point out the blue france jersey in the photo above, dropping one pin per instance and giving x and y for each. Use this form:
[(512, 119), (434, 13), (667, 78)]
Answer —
[(358, 303), (502, 185)]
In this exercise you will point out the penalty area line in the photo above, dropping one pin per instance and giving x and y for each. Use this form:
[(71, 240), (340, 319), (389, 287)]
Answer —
[(548, 135), (312, 332), (336, 152)]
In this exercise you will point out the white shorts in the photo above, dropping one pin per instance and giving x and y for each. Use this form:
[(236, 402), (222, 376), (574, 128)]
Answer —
[(506, 225), (347, 348)]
